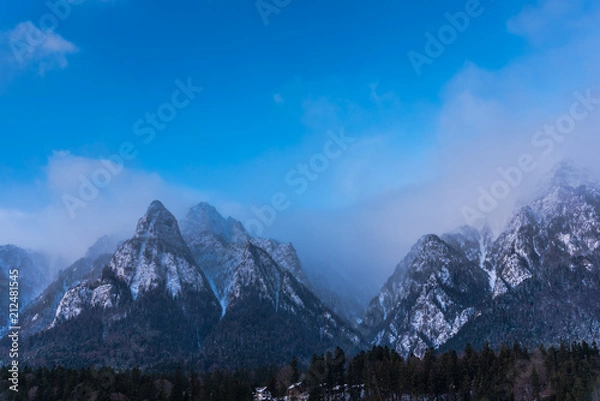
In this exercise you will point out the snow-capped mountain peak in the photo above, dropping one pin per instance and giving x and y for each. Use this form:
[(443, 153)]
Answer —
[(550, 246), (157, 255), (567, 174), (217, 245), (158, 222), (156, 258), (431, 295)]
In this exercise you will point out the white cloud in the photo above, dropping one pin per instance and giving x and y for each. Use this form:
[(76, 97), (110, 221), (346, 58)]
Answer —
[(277, 98), (115, 209), (550, 20), (486, 121), (385, 98), (26, 46)]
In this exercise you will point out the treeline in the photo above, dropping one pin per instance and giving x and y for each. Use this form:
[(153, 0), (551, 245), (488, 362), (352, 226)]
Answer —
[(567, 372), (105, 384)]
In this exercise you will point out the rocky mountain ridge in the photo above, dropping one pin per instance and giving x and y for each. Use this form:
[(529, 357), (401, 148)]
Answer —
[(554, 239), (204, 288)]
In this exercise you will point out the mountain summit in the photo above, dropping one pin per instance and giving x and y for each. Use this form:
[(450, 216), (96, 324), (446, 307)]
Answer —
[(214, 293), (151, 302), (259, 282), (532, 284), (157, 256)]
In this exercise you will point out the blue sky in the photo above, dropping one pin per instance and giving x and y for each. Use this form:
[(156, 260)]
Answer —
[(129, 53), (271, 94)]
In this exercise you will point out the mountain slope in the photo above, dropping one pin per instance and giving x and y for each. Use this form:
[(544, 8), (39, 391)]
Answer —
[(152, 303), (33, 276), (272, 317), (33, 270), (218, 243), (270, 313), (537, 282), (433, 292), (548, 267), (41, 312)]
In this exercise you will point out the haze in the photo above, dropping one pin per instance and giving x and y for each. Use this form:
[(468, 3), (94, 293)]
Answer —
[(272, 97)]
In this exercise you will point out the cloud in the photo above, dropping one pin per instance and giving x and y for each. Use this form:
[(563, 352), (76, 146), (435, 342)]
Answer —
[(379, 99), (277, 98), (115, 209), (26, 46), (396, 183), (389, 194), (535, 21), (550, 20)]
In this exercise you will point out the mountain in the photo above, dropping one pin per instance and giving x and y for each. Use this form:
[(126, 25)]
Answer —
[(38, 315), (433, 292), (340, 293), (270, 314), (33, 275), (212, 295), (33, 270), (217, 243), (533, 283), (547, 263), (151, 303), (272, 317)]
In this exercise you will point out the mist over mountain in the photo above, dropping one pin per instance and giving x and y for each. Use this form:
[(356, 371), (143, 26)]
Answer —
[(32, 270), (536, 282), (212, 294), (300, 200), (227, 299)]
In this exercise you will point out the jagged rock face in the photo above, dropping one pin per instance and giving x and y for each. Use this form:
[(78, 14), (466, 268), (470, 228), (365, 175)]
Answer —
[(433, 293), (284, 254), (151, 299), (561, 227), (259, 275), (270, 314), (156, 258), (218, 246), (218, 243), (514, 256), (272, 317), (548, 265), (33, 276), (40, 314), (543, 270)]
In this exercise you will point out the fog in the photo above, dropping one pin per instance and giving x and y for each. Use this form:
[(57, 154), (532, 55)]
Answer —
[(363, 213)]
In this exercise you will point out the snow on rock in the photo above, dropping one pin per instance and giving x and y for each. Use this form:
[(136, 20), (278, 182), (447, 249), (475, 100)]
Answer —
[(422, 303), (230, 256), (72, 304), (428, 303), (155, 257)]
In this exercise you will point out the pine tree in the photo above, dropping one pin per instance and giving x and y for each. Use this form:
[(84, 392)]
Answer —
[(295, 370), (178, 386), (536, 383)]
